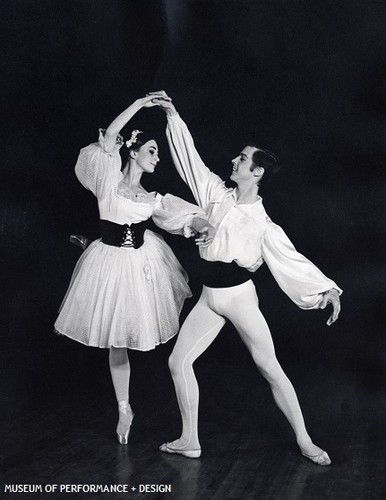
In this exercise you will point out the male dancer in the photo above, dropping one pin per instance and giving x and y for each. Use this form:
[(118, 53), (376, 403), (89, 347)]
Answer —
[(243, 238)]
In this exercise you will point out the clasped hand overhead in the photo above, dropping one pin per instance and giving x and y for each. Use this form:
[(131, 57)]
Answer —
[(161, 99)]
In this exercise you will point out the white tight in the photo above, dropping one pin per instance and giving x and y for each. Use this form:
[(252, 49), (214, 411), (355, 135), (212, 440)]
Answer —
[(240, 305), (120, 372)]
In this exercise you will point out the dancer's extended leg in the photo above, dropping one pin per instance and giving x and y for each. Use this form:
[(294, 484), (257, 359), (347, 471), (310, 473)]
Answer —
[(199, 330), (253, 329), (120, 374)]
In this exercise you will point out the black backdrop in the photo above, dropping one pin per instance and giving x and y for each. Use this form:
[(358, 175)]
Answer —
[(305, 79)]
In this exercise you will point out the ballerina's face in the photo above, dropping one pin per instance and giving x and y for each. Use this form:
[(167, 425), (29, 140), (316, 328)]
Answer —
[(147, 156)]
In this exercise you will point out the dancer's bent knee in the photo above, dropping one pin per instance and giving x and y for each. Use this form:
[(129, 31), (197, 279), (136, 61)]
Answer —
[(175, 365)]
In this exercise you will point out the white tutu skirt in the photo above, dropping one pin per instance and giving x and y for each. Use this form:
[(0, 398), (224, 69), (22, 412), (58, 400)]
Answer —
[(124, 297)]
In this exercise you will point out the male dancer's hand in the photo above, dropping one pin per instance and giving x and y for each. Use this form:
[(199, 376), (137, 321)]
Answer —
[(205, 230), (206, 237), (161, 99), (152, 99), (331, 297)]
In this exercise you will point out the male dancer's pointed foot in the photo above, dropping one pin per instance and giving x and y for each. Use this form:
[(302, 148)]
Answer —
[(315, 454), (126, 416), (319, 459), (169, 448)]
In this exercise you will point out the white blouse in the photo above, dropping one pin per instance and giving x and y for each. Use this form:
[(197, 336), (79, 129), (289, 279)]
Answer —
[(99, 170), (244, 232)]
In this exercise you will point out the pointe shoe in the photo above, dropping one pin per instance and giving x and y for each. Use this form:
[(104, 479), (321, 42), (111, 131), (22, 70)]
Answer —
[(126, 416), (166, 448), (80, 240), (320, 459)]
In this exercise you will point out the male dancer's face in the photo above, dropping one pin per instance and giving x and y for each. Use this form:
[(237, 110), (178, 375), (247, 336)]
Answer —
[(241, 170)]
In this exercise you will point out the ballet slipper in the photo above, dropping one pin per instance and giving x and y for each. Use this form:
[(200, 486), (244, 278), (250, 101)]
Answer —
[(320, 459), (166, 448), (80, 241)]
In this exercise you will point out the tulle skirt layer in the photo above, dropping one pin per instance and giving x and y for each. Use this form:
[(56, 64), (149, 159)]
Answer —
[(124, 297)]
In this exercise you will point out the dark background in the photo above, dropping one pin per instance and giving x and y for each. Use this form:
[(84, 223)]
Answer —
[(306, 80)]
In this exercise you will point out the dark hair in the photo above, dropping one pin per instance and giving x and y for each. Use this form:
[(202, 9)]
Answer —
[(265, 159), (141, 139)]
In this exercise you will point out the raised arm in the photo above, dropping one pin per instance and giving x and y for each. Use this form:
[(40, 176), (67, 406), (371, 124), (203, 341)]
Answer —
[(122, 119), (204, 184), (99, 165)]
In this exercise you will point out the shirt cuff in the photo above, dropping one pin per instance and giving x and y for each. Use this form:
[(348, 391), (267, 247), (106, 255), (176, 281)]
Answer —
[(171, 118), (187, 229)]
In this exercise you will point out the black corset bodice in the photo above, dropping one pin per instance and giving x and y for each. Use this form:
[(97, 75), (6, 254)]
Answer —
[(123, 235)]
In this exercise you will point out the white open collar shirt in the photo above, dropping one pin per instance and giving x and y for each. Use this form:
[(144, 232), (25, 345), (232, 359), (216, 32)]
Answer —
[(244, 232)]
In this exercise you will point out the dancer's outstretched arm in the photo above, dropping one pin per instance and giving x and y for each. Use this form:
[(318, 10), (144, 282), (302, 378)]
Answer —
[(177, 216), (204, 184), (298, 277)]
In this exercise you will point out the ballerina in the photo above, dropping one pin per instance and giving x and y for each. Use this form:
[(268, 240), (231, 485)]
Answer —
[(127, 288)]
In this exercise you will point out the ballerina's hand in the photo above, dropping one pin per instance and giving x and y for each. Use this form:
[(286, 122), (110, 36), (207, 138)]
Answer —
[(152, 99), (331, 297), (160, 94), (162, 100)]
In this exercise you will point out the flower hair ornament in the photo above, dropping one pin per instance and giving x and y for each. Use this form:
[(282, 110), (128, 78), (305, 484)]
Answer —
[(133, 138)]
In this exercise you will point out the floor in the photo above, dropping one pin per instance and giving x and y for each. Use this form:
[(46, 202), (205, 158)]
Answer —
[(61, 432)]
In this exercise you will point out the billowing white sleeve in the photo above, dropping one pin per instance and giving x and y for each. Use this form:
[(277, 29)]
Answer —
[(175, 215), (204, 184), (298, 277), (97, 167)]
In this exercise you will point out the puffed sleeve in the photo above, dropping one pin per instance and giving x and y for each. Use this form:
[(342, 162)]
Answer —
[(299, 278), (175, 215), (99, 167), (204, 184)]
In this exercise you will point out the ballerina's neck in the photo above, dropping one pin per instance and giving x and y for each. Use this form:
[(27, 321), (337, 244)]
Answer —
[(132, 175)]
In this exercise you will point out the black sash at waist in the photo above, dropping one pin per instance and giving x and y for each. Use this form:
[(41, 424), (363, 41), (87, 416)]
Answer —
[(223, 274), (123, 235)]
